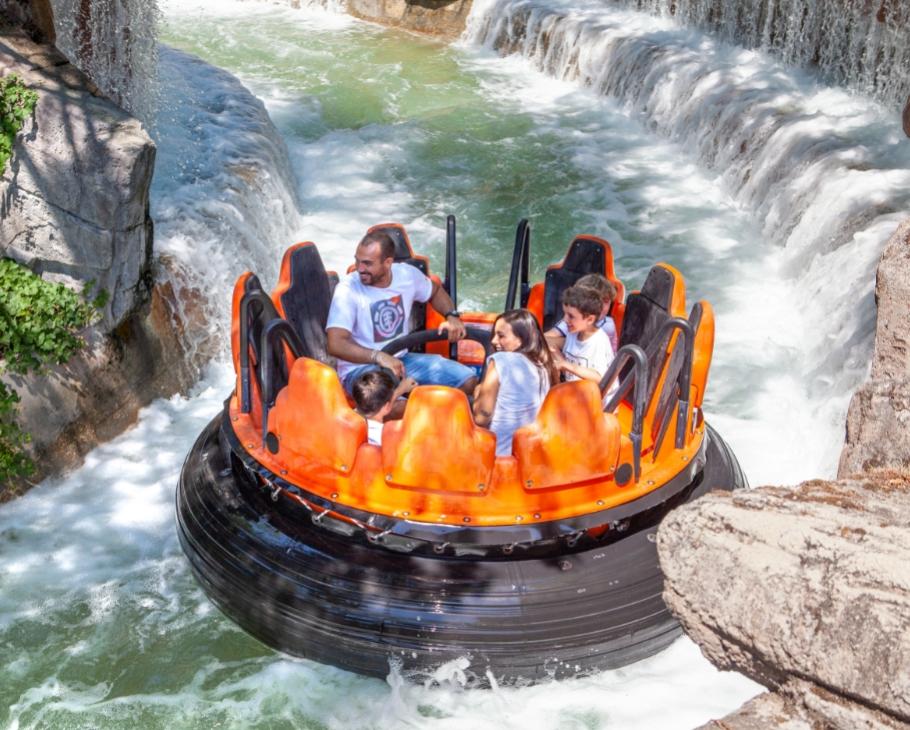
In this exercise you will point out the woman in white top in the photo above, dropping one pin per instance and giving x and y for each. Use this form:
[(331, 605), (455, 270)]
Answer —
[(517, 378)]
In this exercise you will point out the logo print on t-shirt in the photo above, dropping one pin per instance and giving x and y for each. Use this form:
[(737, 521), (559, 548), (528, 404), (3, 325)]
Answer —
[(388, 318)]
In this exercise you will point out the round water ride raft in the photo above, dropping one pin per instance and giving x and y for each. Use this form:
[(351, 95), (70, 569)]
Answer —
[(429, 547)]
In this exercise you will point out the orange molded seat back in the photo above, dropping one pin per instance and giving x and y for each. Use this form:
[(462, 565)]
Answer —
[(239, 291), (586, 255), (437, 444), (571, 441), (702, 320), (303, 296), (535, 302), (312, 418)]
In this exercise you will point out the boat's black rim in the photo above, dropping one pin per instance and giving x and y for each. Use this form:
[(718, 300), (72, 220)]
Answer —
[(407, 536)]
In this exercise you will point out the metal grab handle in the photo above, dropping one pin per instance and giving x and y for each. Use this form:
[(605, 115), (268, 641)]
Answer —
[(451, 280), (637, 380), (250, 298), (281, 332), (519, 273), (685, 373)]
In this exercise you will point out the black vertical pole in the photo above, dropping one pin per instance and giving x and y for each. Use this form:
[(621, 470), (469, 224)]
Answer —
[(450, 284)]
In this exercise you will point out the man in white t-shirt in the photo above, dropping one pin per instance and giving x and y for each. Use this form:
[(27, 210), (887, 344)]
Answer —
[(372, 306)]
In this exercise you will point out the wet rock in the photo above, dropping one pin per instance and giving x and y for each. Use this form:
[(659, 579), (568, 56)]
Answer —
[(98, 393), (906, 118), (74, 197), (35, 17), (878, 420), (806, 591)]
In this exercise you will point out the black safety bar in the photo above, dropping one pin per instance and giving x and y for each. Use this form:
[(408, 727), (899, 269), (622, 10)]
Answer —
[(248, 299), (451, 281), (637, 381), (276, 333), (683, 379), (518, 276), (421, 337)]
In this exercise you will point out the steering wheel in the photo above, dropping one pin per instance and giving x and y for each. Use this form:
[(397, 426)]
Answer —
[(421, 337)]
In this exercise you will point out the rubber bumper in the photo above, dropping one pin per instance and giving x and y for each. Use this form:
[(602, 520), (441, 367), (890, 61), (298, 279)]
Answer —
[(343, 601)]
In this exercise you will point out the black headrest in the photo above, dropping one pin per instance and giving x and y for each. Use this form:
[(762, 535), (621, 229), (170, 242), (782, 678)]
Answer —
[(585, 256), (307, 299), (403, 252), (646, 312)]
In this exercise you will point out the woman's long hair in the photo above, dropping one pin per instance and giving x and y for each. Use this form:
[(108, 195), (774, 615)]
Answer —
[(533, 344)]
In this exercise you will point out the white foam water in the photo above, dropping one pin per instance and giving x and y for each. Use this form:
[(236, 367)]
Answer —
[(824, 175), (854, 43)]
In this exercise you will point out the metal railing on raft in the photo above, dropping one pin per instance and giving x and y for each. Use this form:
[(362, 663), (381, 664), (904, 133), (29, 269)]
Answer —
[(276, 333), (268, 308), (519, 284), (637, 381)]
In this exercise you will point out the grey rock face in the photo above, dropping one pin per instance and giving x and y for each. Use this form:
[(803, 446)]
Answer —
[(805, 590), (74, 200), (878, 421)]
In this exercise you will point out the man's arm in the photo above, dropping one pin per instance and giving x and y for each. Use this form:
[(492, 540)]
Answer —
[(340, 343), (442, 303)]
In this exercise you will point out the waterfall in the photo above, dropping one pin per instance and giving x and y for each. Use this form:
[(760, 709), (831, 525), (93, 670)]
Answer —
[(855, 43), (824, 174), (114, 42), (224, 198)]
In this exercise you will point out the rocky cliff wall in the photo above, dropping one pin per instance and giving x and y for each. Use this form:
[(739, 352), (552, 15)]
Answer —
[(74, 200), (74, 207), (878, 420), (806, 589), (444, 18)]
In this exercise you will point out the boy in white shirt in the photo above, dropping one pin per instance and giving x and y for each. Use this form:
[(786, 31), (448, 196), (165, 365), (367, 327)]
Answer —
[(375, 393), (587, 352), (556, 335)]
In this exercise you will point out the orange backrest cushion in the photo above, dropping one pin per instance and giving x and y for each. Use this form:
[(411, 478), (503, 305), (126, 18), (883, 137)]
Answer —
[(313, 420), (437, 445), (571, 441)]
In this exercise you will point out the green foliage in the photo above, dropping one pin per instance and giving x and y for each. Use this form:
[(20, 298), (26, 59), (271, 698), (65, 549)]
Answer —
[(16, 105), (13, 460), (39, 326)]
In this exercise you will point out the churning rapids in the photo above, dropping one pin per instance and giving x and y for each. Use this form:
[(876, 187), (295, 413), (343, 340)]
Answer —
[(772, 193)]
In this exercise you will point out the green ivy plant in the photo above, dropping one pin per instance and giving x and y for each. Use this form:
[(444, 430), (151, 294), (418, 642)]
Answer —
[(39, 326), (16, 105)]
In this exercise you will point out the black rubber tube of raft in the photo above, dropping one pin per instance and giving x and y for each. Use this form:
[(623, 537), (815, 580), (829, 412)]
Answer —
[(341, 599)]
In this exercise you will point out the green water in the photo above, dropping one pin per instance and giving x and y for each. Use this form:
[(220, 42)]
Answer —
[(101, 622)]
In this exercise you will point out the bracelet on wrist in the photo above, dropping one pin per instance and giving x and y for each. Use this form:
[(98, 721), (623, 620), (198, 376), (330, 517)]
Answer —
[(374, 356)]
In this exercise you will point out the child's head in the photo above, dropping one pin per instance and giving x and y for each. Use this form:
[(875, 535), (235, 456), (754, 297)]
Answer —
[(603, 286), (372, 392), (581, 307)]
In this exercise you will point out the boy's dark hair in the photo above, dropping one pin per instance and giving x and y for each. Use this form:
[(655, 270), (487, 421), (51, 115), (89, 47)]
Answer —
[(586, 300), (372, 390), (599, 283)]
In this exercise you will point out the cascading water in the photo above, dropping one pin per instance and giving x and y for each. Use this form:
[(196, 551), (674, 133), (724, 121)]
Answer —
[(115, 42), (856, 43), (825, 176), (101, 622)]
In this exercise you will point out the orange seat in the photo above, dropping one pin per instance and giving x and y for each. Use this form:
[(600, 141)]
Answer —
[(570, 442), (702, 321), (586, 255), (437, 445), (313, 421)]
